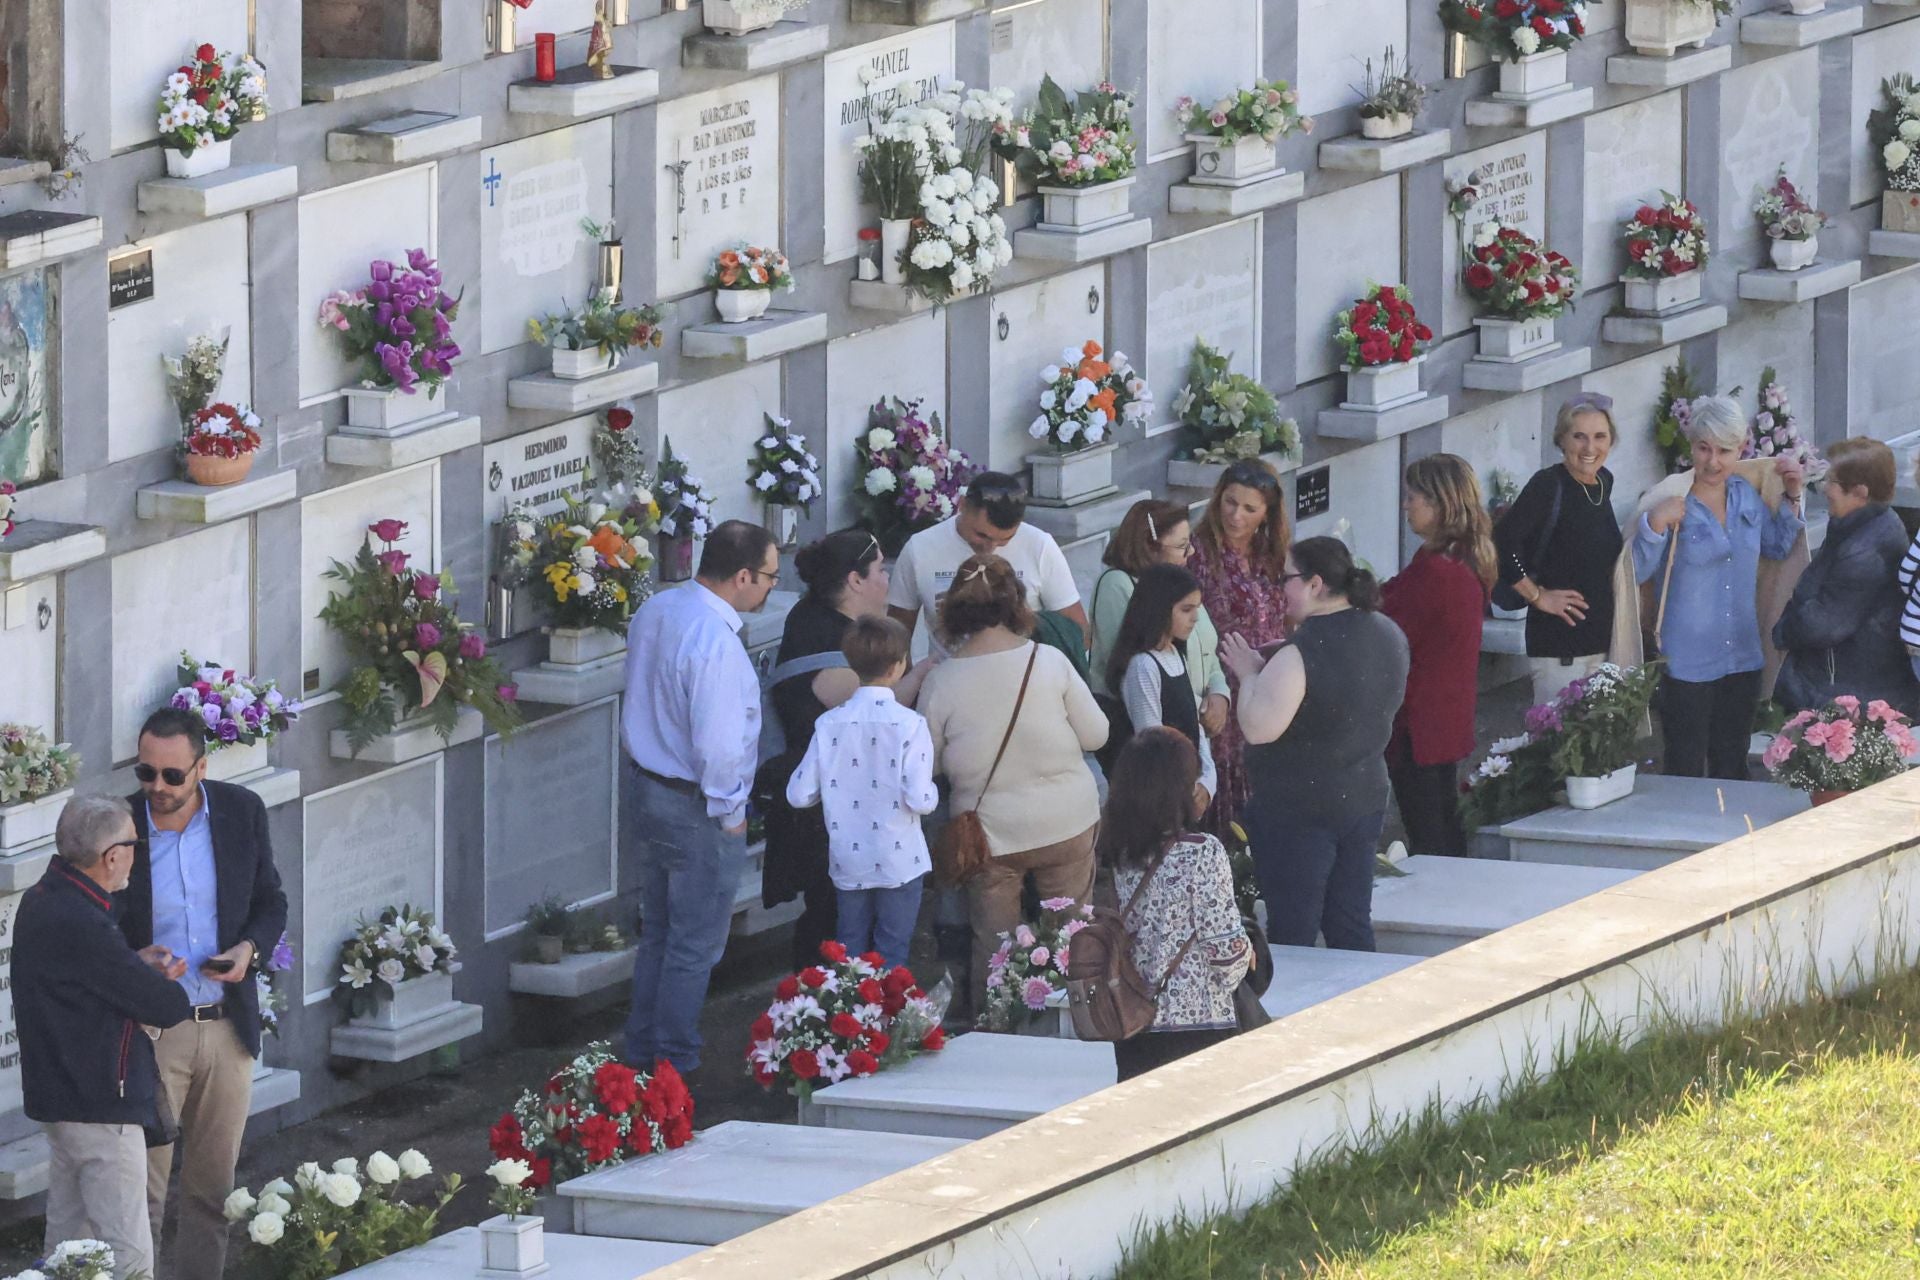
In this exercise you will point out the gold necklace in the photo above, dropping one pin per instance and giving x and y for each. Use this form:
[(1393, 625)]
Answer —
[(1591, 500)]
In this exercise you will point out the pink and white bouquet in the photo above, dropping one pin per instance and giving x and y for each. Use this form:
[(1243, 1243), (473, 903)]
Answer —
[(1073, 142), (1270, 111), (399, 326), (911, 477), (1087, 394), (1031, 965), (1841, 747), (238, 710), (1784, 213), (842, 1018), (1776, 432)]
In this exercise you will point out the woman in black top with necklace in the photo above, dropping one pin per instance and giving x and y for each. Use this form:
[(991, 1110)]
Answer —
[(1558, 544)]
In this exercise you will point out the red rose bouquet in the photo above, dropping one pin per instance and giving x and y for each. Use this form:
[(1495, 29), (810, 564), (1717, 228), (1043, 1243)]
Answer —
[(1511, 275), (1514, 29), (593, 1112), (1381, 328), (845, 1017), (1667, 239), (223, 431)]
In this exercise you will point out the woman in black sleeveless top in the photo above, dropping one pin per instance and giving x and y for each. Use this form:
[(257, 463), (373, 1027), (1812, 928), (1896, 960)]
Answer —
[(1317, 717)]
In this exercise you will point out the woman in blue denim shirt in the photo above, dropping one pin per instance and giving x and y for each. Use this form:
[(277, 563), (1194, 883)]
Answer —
[(1710, 636)]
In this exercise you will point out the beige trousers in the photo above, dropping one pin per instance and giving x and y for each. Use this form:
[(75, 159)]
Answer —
[(94, 1180), (207, 1076), (1063, 870), (1550, 675)]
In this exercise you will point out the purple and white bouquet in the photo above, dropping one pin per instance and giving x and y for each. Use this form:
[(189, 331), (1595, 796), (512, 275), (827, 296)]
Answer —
[(911, 478), (237, 710), (1776, 433), (273, 1001), (399, 326), (1030, 966)]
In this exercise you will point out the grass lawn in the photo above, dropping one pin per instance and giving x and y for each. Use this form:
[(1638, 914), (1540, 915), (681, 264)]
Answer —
[(1783, 1147)]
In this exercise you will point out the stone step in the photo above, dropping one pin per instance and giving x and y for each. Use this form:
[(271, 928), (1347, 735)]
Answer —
[(736, 1177), (1663, 820), (1442, 903), (456, 1256), (979, 1084)]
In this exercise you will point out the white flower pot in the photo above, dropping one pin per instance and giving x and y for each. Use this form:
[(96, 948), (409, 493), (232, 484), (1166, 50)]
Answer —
[(1065, 478), (1900, 210), (1398, 125), (1804, 7), (1660, 294), (1509, 341), (782, 520), (576, 646), (1381, 386), (1792, 255), (512, 1246), (1591, 793), (1217, 160), (738, 17), (31, 821), (224, 764), (737, 306), (895, 235), (211, 158), (1083, 208), (1534, 74), (582, 364), (412, 1000), (385, 409), (1659, 28)]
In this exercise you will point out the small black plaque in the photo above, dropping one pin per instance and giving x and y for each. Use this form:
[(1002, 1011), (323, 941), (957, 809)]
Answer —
[(129, 279), (1312, 493)]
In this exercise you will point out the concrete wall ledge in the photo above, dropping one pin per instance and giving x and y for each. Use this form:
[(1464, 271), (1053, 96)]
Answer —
[(1818, 903)]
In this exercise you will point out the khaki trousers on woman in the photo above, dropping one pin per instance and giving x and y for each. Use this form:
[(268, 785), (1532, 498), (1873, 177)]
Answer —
[(1063, 870)]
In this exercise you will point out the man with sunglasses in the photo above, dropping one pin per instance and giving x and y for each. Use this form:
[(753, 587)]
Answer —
[(203, 886), (83, 1001)]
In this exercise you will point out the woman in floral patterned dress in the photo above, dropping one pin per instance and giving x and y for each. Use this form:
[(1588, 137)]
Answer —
[(1239, 558)]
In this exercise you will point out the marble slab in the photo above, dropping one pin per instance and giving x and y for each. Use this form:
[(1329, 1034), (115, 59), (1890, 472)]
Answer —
[(1305, 976), (275, 1087), (979, 1084), (338, 79), (24, 1163), (39, 235), (775, 333), (245, 186), (1814, 281), (1085, 519), (1648, 72), (184, 502), (778, 45), (1526, 375), (1233, 202), (275, 787), (576, 93), (13, 169), (39, 547), (735, 1177), (1663, 331), (562, 684), (1082, 246), (400, 1044), (22, 867), (456, 1256), (410, 741), (574, 976), (347, 448), (404, 139), (1499, 113), (1664, 819), (913, 13), (1185, 473), (1383, 424), (1356, 154), (893, 299), (1442, 903), (1786, 30), (1893, 244), (582, 395)]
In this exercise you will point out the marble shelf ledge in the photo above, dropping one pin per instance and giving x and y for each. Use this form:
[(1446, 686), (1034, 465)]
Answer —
[(1662, 331), (1527, 375), (1355, 154), (445, 1026), (1082, 246), (275, 787), (1815, 280), (409, 741), (15, 169), (21, 868), (36, 548), (1502, 113), (337, 79), (775, 333), (27, 824), (185, 502), (1783, 30), (275, 1087), (566, 684), (1184, 473), (777, 46), (576, 93), (1381, 424), (24, 1163), (1893, 244), (1643, 71), (404, 139), (893, 299), (1070, 524), (1231, 202), (913, 13), (40, 235), (212, 195), (577, 395), (378, 451), (574, 976)]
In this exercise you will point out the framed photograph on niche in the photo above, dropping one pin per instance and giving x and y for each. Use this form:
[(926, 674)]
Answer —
[(26, 417)]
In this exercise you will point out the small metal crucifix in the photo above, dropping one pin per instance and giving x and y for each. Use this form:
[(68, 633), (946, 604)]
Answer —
[(679, 171)]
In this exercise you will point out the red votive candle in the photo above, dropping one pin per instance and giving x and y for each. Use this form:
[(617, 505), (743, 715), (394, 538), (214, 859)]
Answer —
[(543, 56)]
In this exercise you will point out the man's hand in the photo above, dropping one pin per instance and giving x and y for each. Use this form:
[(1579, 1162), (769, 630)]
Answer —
[(241, 953), (1213, 714), (163, 961)]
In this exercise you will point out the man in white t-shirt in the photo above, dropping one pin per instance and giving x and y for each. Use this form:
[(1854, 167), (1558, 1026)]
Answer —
[(988, 523)]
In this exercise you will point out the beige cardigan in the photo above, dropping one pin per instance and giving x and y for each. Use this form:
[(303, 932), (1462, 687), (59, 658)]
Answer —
[(1044, 792)]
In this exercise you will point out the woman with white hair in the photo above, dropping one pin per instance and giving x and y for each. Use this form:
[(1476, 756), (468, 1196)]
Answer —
[(1702, 550)]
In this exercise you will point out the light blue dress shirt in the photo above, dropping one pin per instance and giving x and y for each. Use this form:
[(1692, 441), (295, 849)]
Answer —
[(1711, 628), (186, 900)]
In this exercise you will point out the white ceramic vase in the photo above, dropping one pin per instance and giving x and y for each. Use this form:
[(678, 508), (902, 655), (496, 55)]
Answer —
[(514, 1246), (1793, 255), (895, 235), (587, 363), (409, 1002), (1510, 341), (1062, 479), (1591, 793), (385, 409), (1900, 210), (1217, 160), (740, 17), (737, 306), (211, 158), (1381, 386), (1661, 28), (1534, 74), (577, 646), (1660, 294), (1397, 125), (1084, 208)]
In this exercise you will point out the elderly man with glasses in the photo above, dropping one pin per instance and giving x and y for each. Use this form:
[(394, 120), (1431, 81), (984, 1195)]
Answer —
[(83, 1002)]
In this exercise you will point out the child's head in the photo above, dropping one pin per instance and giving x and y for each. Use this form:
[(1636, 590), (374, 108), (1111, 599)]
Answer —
[(1164, 609), (876, 649), (1150, 797)]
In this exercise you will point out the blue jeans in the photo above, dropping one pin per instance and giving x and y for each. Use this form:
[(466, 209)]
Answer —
[(881, 920), (689, 873), (1317, 877)]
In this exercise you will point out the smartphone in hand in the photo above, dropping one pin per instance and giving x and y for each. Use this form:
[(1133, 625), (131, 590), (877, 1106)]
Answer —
[(217, 965)]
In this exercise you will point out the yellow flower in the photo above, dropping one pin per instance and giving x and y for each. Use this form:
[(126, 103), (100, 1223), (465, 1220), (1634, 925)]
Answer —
[(619, 593), (535, 332)]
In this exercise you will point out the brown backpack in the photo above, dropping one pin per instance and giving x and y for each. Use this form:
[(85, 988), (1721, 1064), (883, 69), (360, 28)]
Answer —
[(1109, 999)]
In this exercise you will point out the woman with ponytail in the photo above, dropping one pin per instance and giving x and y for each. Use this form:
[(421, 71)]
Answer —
[(1317, 718)]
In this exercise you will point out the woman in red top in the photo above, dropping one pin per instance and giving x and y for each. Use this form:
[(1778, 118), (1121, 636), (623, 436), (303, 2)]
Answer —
[(1438, 601)]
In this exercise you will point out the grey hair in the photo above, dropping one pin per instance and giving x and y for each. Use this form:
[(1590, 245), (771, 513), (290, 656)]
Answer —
[(1720, 420), (1572, 409), (87, 825)]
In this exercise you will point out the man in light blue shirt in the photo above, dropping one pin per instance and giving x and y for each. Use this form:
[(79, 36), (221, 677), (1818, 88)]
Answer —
[(691, 726)]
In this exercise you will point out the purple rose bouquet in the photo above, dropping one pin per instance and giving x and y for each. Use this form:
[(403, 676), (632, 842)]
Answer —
[(911, 478), (399, 326), (237, 710)]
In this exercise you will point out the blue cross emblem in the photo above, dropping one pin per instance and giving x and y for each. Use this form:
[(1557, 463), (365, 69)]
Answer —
[(491, 181)]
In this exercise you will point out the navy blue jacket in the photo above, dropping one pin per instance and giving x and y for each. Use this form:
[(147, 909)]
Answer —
[(79, 997), (1841, 631)]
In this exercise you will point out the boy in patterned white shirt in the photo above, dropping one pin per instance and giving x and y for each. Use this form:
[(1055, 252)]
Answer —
[(871, 765)]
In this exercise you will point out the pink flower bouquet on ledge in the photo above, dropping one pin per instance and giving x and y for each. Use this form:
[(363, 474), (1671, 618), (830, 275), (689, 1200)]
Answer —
[(398, 327), (1030, 965), (1840, 748)]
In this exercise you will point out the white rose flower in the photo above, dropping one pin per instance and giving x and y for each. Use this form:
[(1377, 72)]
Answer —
[(347, 1165), (1039, 427), (340, 1188), (585, 583), (272, 1203), (239, 1204), (1910, 129), (1060, 152), (267, 1229), (880, 439), (414, 1165), (382, 1169), (880, 480), (1896, 154), (509, 1173), (1526, 40), (586, 558), (789, 466), (1050, 374), (391, 972), (1048, 399), (1096, 431), (764, 481)]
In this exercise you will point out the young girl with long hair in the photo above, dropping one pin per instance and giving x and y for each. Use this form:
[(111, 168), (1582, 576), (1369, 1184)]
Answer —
[(1147, 667)]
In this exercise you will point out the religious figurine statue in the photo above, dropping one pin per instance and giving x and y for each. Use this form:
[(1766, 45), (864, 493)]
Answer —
[(600, 44)]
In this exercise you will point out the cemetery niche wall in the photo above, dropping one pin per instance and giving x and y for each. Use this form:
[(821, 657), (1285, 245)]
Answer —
[(392, 134)]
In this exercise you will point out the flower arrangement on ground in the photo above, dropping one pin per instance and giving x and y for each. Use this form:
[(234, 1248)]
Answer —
[(1514, 29), (401, 944), (1086, 394), (1784, 214), (591, 559), (200, 103), (273, 1001), (1030, 965), (1268, 111), (1393, 95), (1894, 130), (1678, 391), (1227, 415), (782, 470), (847, 1016), (411, 652), (329, 1221), (1776, 432), (32, 765), (1595, 722), (1074, 142), (1667, 239), (1841, 747), (398, 327), (237, 710), (593, 1112), (1380, 328), (1513, 277), (193, 377), (686, 509), (601, 325), (74, 1260), (748, 267), (7, 524), (1514, 780), (911, 478)]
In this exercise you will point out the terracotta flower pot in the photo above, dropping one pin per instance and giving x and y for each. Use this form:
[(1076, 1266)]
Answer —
[(214, 471), (1827, 797)]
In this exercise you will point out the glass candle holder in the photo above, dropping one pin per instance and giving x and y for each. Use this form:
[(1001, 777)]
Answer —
[(543, 64)]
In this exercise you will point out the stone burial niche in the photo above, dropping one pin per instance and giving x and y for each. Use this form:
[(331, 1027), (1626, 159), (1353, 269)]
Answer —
[(370, 30)]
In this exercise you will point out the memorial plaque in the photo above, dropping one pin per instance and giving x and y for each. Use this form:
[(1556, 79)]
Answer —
[(1635, 460), (29, 652), (1369, 523), (905, 68), (1875, 56), (29, 396), (1883, 378), (1198, 49), (129, 278), (908, 360), (1633, 153), (1768, 115), (1347, 241), (342, 229), (537, 469), (369, 845), (10, 1099), (1502, 438), (713, 424), (1201, 286), (1312, 493), (1066, 39), (721, 152), (333, 525), (1783, 337), (146, 43), (1511, 179), (1042, 320), (535, 256), (1336, 39), (529, 856)]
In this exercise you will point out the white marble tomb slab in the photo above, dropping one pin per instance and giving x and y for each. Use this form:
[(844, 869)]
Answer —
[(1204, 285), (1768, 114), (1507, 436), (30, 652), (1199, 49), (1883, 378), (1513, 193), (529, 856), (979, 1084), (456, 1256), (1442, 903), (1043, 319), (713, 424), (1346, 241), (146, 43), (1783, 337), (342, 230), (10, 1098), (333, 525), (907, 359), (536, 469), (1359, 479), (906, 68), (1663, 820), (1066, 39), (1306, 976), (1635, 388), (1336, 39), (1876, 55), (1633, 153), (729, 141), (534, 255)]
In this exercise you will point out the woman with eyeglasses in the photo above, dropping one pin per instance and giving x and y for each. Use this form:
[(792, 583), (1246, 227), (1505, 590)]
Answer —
[(1239, 557), (1557, 548)]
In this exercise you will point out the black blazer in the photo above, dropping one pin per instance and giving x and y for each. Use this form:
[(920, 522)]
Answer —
[(248, 897)]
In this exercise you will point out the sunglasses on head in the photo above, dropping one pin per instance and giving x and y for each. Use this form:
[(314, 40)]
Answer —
[(146, 773)]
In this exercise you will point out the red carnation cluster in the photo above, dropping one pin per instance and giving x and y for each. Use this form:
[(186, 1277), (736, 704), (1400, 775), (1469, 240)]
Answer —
[(223, 431), (1516, 279), (1666, 239), (840, 1019), (593, 1112), (1381, 328)]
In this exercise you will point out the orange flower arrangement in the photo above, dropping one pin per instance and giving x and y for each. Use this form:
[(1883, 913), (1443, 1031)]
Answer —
[(750, 267), (1086, 395)]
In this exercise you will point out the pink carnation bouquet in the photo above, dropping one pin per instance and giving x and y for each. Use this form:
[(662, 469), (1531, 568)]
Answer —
[(1031, 965), (1841, 747)]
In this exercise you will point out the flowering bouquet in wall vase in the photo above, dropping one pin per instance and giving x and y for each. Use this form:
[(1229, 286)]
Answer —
[(220, 442), (1792, 226), (1229, 416), (398, 330), (1233, 137), (1893, 128), (1841, 747), (593, 1112), (1529, 39), (399, 946), (743, 280), (846, 1017), (238, 710), (686, 514), (1524, 285), (7, 506), (193, 376), (911, 478), (1080, 152), (1083, 400), (1667, 250), (591, 559), (592, 338), (1674, 411), (328, 1222), (785, 477), (273, 1001), (32, 765), (202, 106), (1776, 432), (1382, 342)]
